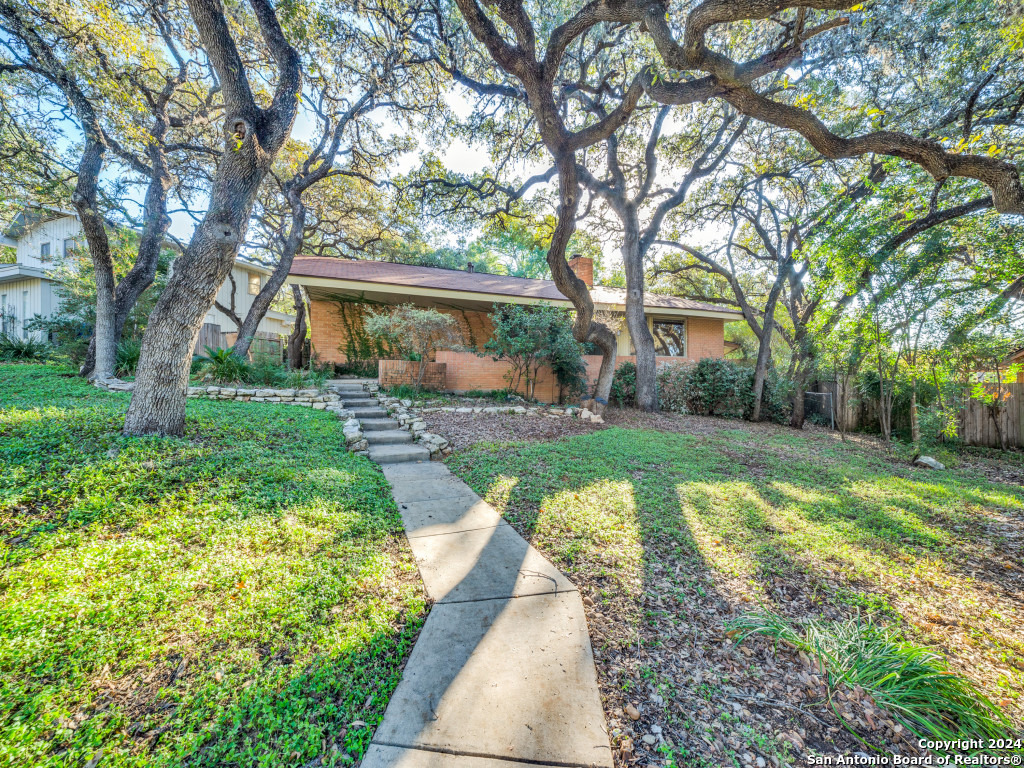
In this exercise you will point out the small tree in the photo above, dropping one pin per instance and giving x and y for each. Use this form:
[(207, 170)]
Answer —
[(422, 331), (530, 337)]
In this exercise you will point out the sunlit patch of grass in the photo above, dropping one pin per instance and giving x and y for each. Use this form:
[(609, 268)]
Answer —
[(239, 596), (854, 531)]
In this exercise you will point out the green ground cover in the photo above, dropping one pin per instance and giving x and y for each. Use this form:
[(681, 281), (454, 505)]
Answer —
[(673, 534), (240, 596)]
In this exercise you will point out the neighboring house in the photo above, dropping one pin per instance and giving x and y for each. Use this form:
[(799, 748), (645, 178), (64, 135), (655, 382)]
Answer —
[(341, 291), (44, 236), (40, 236)]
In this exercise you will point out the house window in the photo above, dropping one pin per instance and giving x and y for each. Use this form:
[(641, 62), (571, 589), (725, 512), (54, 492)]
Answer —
[(24, 314), (44, 252), (670, 339), (69, 247), (254, 283), (6, 315)]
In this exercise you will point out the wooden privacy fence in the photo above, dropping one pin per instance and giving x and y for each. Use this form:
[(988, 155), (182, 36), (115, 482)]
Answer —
[(975, 426), (264, 345)]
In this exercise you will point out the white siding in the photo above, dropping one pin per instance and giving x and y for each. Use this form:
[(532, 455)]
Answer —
[(55, 233), (243, 301), (27, 298)]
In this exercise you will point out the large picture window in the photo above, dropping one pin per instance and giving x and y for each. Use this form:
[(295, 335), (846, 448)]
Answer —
[(670, 339)]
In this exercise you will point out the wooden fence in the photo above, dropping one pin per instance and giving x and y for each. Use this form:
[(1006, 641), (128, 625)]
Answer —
[(976, 425), (265, 346)]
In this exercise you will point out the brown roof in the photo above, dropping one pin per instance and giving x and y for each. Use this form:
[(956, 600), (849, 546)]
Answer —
[(409, 276)]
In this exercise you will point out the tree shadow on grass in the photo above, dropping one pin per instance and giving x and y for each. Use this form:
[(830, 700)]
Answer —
[(789, 534)]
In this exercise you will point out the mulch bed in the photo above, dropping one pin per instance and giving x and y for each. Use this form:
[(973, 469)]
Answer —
[(463, 429)]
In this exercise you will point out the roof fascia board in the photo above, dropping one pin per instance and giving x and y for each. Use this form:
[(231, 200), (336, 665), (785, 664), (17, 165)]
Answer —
[(500, 298)]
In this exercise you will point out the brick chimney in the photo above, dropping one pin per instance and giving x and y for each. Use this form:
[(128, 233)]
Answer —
[(583, 266)]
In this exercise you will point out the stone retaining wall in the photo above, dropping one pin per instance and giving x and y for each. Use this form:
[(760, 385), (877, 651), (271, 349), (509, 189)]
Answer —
[(310, 398)]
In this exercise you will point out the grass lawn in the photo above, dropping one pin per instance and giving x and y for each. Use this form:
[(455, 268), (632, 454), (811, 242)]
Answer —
[(672, 534), (243, 596)]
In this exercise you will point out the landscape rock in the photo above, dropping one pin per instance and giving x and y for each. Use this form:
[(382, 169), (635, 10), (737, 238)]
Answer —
[(929, 462)]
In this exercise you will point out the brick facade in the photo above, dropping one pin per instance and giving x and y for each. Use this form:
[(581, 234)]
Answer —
[(331, 323), (395, 373)]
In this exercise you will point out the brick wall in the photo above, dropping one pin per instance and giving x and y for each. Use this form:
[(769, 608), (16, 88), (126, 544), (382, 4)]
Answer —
[(394, 373), (705, 337), (331, 325), (466, 371)]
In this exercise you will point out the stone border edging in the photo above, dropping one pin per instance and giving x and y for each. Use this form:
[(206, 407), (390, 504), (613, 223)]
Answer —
[(407, 413)]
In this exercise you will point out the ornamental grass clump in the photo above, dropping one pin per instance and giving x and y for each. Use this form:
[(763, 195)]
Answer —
[(910, 682)]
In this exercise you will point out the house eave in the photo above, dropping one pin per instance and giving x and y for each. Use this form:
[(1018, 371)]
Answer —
[(359, 287), (12, 272)]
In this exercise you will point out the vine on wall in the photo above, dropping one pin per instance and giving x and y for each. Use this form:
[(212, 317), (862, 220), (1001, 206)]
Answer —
[(358, 345)]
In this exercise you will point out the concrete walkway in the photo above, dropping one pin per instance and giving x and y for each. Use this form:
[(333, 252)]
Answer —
[(503, 671)]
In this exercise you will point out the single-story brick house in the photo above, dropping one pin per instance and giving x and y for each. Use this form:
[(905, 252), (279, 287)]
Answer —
[(340, 291)]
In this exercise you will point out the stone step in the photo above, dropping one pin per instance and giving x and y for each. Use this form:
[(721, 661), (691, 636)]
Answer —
[(358, 401), (378, 425), (387, 436), (398, 454), (369, 413)]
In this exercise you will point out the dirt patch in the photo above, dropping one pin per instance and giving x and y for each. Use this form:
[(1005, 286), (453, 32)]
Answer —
[(465, 429)]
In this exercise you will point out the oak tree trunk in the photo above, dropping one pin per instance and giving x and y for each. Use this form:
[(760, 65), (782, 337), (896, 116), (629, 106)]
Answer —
[(261, 304), (297, 340), (84, 200), (252, 138), (636, 319), (131, 287)]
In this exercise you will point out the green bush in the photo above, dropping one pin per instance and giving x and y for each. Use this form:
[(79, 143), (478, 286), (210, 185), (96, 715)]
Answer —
[(624, 385), (528, 338), (775, 404), (718, 387), (14, 349), (912, 683), (224, 366), (673, 387), (127, 359), (266, 373), (366, 369)]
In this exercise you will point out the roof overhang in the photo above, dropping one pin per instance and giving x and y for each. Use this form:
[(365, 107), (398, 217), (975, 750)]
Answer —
[(11, 272), (357, 288)]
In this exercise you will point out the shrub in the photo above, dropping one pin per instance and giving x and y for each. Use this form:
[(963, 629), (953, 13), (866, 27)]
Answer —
[(624, 385), (775, 404), (366, 369), (403, 392), (565, 357), (266, 373), (911, 682), (530, 337), (419, 331), (672, 386), (13, 348), (127, 357), (717, 387), (224, 366)]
